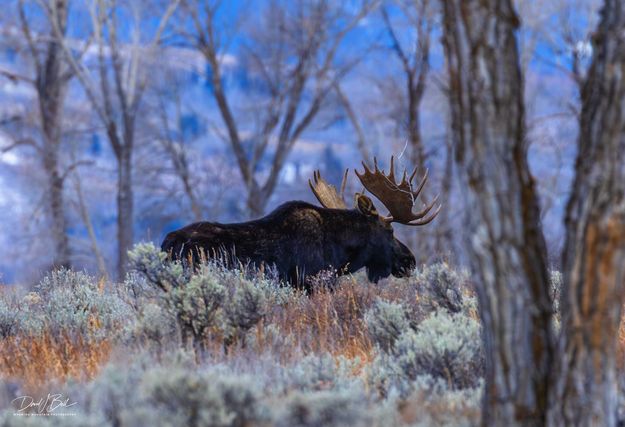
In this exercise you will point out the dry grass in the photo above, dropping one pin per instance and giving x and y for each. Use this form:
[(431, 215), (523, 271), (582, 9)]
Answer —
[(332, 321), (35, 361), (439, 411), (327, 321)]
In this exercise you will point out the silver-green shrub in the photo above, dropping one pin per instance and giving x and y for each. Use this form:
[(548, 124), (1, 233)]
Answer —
[(386, 321), (150, 261), (323, 371), (72, 303), (271, 339), (197, 303), (206, 298), (180, 397), (153, 324), (9, 317), (442, 286), (427, 344), (439, 405), (445, 346), (326, 408), (245, 309)]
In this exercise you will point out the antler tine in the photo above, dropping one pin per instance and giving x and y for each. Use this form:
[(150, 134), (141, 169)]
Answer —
[(399, 198), (412, 175), (326, 193), (426, 220), (421, 184), (344, 183), (364, 165), (316, 178), (426, 209)]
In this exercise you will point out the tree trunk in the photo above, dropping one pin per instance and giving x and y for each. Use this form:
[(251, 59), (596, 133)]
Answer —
[(125, 235), (56, 207), (361, 140), (51, 86), (86, 218), (195, 205), (423, 241), (256, 201), (594, 256), (506, 247), (417, 152), (444, 243)]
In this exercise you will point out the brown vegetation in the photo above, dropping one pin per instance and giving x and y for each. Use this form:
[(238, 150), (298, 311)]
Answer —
[(36, 361)]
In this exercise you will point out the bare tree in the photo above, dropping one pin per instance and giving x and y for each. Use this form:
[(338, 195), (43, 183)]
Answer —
[(115, 90), (294, 59), (176, 148), (555, 55), (505, 242), (415, 65), (594, 255), (488, 120), (83, 209), (50, 77), (558, 34), (361, 141)]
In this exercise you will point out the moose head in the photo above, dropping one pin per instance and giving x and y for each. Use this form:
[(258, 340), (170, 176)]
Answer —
[(391, 255)]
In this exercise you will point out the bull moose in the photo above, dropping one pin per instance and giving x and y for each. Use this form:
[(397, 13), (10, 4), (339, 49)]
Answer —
[(300, 239)]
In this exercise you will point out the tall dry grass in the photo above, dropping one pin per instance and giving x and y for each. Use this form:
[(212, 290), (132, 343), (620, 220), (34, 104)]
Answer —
[(327, 321), (36, 361)]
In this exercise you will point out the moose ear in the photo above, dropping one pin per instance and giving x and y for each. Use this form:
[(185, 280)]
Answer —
[(365, 205)]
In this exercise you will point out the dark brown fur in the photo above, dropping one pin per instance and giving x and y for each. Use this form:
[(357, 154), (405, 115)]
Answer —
[(299, 240)]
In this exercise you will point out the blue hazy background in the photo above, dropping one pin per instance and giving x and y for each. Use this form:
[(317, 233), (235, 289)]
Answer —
[(554, 44)]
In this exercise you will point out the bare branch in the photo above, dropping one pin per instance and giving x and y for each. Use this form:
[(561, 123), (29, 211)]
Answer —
[(15, 78), (28, 35), (71, 168), (396, 46), (20, 142), (79, 69), (353, 118)]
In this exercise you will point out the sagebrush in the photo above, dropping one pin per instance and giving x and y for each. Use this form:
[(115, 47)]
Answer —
[(219, 347)]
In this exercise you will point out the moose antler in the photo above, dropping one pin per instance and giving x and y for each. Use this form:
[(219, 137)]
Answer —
[(326, 193), (399, 198)]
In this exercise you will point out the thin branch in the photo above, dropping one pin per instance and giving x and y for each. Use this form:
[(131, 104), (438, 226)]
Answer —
[(79, 69), (20, 142), (396, 46), (71, 168), (15, 78), (361, 141), (28, 35)]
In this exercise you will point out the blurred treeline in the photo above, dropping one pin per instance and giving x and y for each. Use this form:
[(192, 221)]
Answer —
[(121, 120)]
